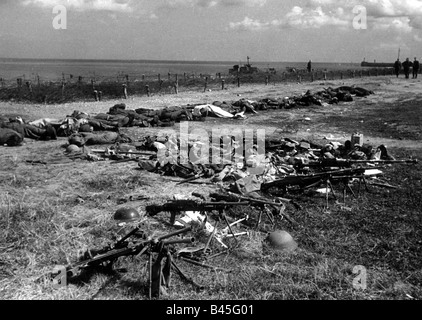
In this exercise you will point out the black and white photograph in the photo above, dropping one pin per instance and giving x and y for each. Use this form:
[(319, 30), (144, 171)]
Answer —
[(213, 156)]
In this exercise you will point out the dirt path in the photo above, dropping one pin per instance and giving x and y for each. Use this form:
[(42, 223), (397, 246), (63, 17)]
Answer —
[(391, 116)]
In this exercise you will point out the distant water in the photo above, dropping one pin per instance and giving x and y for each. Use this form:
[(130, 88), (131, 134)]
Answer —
[(52, 70)]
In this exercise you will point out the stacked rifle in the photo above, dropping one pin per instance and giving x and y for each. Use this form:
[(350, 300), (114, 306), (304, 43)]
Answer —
[(135, 243)]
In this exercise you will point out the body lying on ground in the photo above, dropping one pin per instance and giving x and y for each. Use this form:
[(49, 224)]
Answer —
[(30, 131), (90, 138), (10, 137)]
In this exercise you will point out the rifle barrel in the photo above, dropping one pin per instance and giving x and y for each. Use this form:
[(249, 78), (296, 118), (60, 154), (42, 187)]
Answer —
[(176, 241), (175, 233)]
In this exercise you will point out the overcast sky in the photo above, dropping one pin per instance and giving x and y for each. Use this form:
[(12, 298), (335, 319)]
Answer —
[(266, 30)]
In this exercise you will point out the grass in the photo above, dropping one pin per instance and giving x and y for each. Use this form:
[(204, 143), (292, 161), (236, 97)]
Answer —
[(375, 232), (50, 214)]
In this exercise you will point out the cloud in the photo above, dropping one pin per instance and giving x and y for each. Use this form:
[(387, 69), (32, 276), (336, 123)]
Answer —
[(314, 18), (214, 3), (248, 3), (379, 10), (248, 25), (417, 38), (400, 24), (299, 18), (83, 5)]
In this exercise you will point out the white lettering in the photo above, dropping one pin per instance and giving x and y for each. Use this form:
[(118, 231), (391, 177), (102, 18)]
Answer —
[(60, 20)]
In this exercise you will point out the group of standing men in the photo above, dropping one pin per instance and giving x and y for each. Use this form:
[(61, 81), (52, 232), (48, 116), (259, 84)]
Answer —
[(406, 65)]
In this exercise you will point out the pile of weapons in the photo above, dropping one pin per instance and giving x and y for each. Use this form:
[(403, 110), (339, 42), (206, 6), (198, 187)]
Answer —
[(162, 251), (286, 164), (287, 167)]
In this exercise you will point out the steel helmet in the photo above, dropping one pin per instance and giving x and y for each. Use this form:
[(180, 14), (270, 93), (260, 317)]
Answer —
[(127, 214), (72, 148), (281, 240)]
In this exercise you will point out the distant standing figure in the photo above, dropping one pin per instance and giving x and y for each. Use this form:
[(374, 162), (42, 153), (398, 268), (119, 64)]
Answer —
[(406, 67), (415, 68), (309, 67), (397, 67)]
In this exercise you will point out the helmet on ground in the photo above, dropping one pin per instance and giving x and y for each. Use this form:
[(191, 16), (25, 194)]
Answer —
[(126, 214), (77, 140), (72, 148), (281, 240), (86, 128)]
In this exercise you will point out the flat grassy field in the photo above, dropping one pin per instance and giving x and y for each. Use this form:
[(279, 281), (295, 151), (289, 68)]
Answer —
[(50, 213)]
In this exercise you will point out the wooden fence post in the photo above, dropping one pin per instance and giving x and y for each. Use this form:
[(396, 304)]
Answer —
[(29, 85), (147, 90), (206, 84), (124, 87)]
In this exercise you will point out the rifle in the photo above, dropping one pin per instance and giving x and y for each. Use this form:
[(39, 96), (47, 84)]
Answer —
[(143, 153), (106, 256), (177, 206), (308, 181), (260, 202), (347, 163)]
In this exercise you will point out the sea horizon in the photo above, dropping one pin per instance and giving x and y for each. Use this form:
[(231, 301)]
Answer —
[(171, 61), (54, 69)]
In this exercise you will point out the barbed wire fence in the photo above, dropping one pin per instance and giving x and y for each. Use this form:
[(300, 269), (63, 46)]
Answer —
[(94, 87)]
